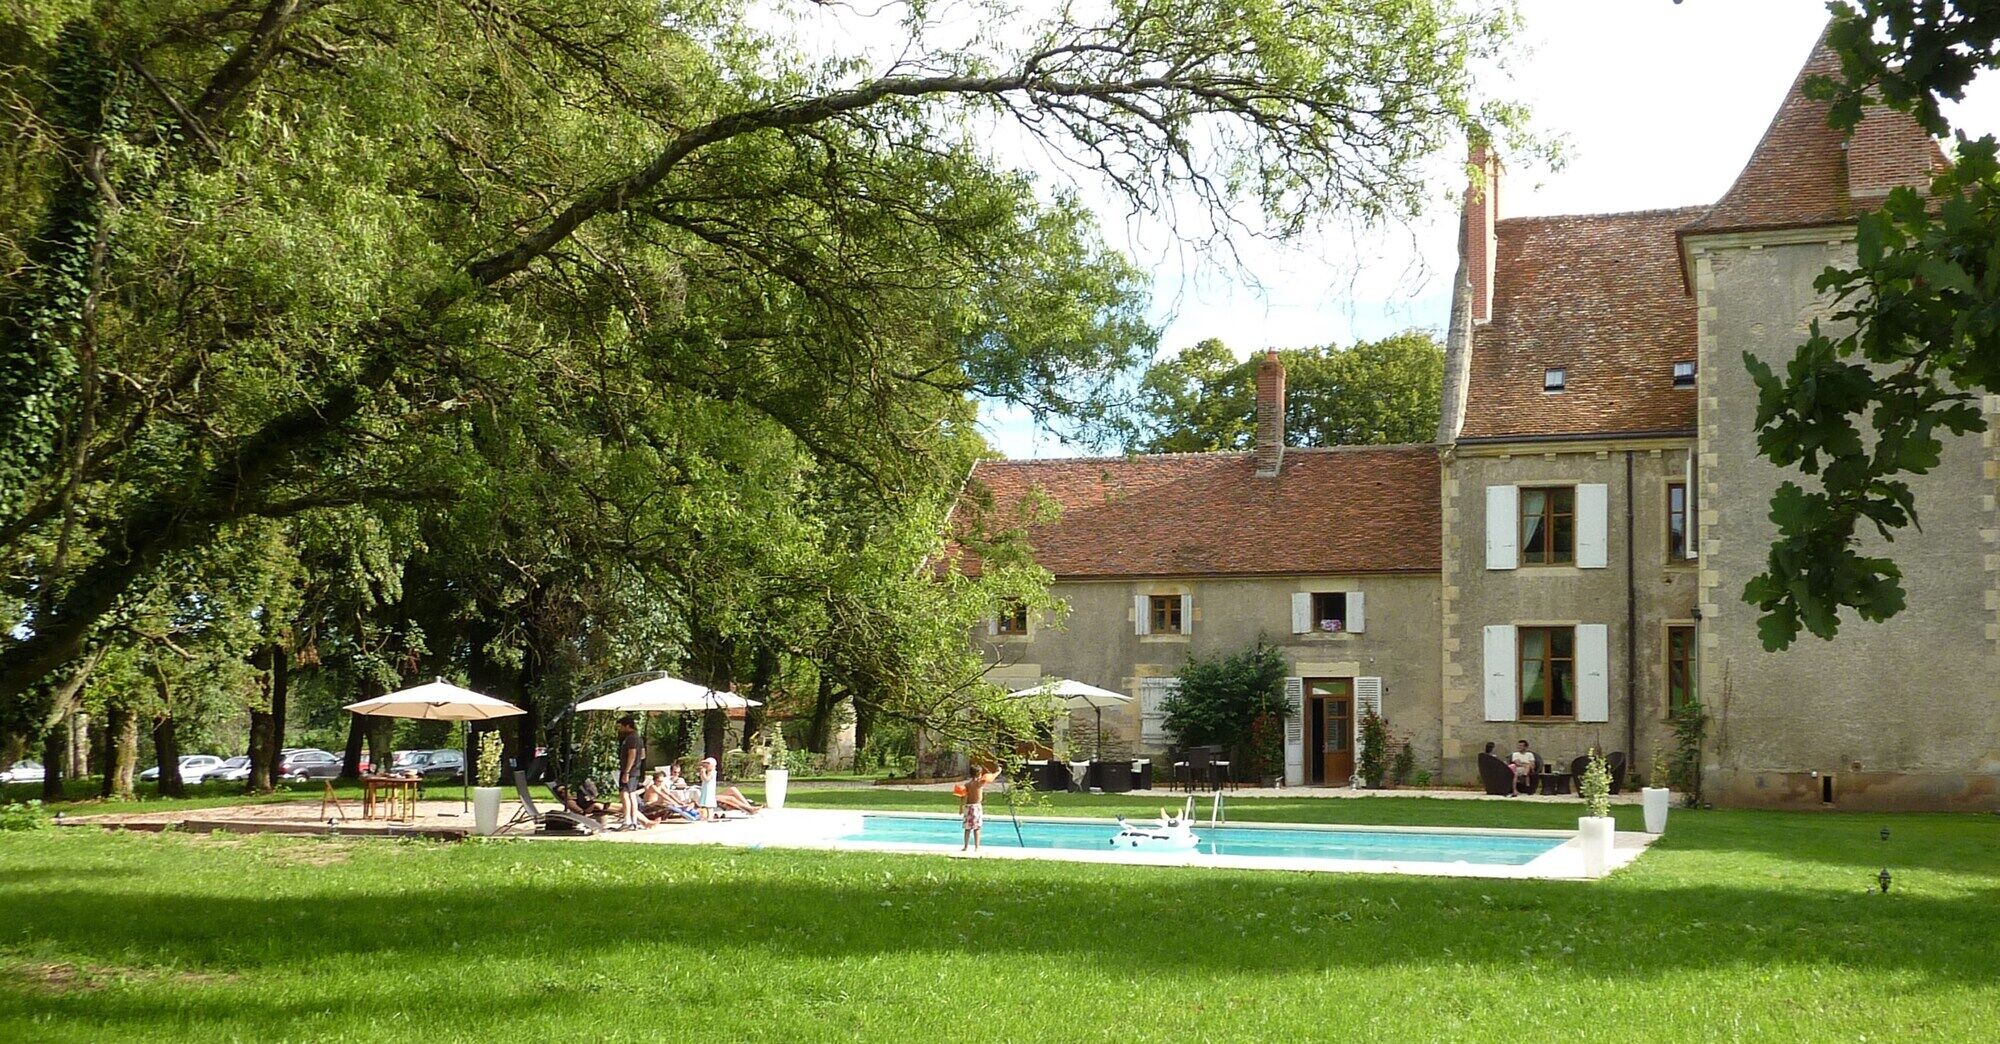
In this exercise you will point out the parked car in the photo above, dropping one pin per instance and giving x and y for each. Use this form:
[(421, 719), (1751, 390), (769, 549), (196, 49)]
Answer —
[(301, 765), (194, 768), (434, 764), (22, 772), (232, 770)]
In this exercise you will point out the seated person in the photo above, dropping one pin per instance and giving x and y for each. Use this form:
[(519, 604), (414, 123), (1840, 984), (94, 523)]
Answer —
[(1522, 761), (579, 806), (660, 802)]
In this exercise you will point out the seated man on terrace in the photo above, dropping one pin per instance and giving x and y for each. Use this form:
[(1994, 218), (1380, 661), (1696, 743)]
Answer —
[(1522, 761), (660, 802)]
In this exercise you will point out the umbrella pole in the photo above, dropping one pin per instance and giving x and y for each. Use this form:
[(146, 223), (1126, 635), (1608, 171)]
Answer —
[(465, 772), (1100, 732)]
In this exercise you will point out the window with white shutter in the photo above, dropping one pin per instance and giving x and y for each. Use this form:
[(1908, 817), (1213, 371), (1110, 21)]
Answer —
[(1502, 518), (1295, 732), (1153, 693), (1593, 683), (1498, 673), (1593, 502)]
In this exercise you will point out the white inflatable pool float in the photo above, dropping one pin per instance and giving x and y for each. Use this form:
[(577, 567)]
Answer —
[(1169, 833)]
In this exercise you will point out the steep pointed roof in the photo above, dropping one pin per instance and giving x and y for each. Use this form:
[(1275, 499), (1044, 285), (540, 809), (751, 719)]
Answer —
[(1805, 173)]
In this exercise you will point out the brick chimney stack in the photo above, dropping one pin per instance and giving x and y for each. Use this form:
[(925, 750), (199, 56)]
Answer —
[(1482, 209), (1270, 450)]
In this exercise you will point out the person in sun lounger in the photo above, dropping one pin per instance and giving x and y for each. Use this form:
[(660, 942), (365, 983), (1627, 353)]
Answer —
[(660, 803)]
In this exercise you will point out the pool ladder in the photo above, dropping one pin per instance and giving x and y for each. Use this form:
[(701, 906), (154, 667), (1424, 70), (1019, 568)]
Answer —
[(1217, 814)]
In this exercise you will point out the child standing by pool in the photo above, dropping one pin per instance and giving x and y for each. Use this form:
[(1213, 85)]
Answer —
[(971, 793), (708, 788)]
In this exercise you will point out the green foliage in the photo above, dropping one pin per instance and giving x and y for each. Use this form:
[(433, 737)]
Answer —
[(1421, 779), (1403, 764), (1921, 313), (1690, 724), (772, 752), (23, 815), (487, 765), (1595, 786), (1371, 393), (1220, 696), (1264, 752), (1372, 759)]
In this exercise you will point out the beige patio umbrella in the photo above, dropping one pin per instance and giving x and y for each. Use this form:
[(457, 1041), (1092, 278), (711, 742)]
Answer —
[(440, 700), (1077, 695)]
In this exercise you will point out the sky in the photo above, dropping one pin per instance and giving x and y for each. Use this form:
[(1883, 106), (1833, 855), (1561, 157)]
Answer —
[(1657, 104)]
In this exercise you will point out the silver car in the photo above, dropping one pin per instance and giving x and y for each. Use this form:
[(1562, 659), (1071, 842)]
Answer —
[(194, 768), (22, 772)]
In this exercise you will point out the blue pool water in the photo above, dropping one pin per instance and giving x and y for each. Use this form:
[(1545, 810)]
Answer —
[(1238, 842)]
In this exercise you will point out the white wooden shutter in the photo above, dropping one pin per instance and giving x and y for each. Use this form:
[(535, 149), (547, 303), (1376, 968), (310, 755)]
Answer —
[(1593, 688), (1593, 500), (1295, 732), (1187, 614), (1367, 697), (993, 627), (1502, 699), (1153, 693), (1356, 617), (1302, 612), (1503, 519), (1142, 622)]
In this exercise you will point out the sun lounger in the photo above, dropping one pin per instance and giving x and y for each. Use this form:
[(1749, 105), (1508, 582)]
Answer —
[(1494, 773), (531, 814)]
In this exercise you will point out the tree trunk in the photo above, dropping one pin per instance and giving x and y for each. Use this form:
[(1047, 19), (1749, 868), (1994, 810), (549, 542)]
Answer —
[(55, 757), (281, 685), (121, 751), (381, 733), (864, 720), (167, 744), (718, 673), (350, 757), (763, 673), (166, 738), (78, 753), (262, 753), (819, 732)]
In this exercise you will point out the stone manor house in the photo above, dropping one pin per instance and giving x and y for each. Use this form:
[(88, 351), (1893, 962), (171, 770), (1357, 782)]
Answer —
[(1566, 562)]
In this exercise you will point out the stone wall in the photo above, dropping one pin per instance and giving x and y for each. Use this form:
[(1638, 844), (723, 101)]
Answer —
[(1902, 714)]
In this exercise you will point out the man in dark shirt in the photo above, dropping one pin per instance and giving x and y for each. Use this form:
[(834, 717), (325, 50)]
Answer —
[(629, 781)]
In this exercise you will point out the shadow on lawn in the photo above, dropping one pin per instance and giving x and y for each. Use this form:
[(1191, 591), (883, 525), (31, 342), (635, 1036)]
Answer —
[(761, 906)]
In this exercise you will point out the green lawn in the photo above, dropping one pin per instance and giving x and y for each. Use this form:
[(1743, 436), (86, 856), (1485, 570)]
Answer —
[(1736, 925)]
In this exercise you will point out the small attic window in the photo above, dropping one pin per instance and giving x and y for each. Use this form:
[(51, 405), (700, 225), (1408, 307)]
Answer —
[(1554, 380), (1684, 375)]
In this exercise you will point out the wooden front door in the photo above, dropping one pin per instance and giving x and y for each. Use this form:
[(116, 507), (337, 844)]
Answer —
[(1330, 730)]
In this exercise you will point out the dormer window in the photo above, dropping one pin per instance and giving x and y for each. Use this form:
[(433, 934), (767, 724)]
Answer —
[(1684, 375), (1554, 380)]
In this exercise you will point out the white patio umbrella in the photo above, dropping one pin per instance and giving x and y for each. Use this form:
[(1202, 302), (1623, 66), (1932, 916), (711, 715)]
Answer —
[(440, 700), (666, 694), (1076, 695)]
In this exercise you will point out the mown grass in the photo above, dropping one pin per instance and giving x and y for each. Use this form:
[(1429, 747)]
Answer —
[(1737, 925)]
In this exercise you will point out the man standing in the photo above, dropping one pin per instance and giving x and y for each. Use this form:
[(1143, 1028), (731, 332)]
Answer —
[(629, 781)]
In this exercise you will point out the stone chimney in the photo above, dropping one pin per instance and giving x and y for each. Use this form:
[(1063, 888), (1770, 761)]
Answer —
[(1482, 209), (1270, 450)]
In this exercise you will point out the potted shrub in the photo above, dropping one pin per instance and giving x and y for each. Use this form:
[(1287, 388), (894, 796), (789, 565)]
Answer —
[(486, 778), (1596, 827), (1405, 764), (1655, 796), (777, 766), (1373, 764), (1266, 751)]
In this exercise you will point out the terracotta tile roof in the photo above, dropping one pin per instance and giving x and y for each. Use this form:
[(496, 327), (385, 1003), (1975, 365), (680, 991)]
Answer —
[(1336, 510), (1600, 297), (1800, 175)]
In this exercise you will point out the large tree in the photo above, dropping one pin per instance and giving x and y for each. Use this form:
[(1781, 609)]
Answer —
[(1915, 336), (588, 286), (1370, 393)]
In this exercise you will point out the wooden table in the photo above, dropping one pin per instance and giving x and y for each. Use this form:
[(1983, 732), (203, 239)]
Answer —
[(397, 798)]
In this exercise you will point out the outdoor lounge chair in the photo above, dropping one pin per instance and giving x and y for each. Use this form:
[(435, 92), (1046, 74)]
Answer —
[(532, 815), (1615, 764), (1494, 773)]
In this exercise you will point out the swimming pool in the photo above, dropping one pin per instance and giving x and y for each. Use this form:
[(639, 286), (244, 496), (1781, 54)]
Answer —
[(1231, 842)]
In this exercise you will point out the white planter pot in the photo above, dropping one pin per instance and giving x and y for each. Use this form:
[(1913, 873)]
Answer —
[(1655, 800), (485, 810), (1596, 832), (775, 782)]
